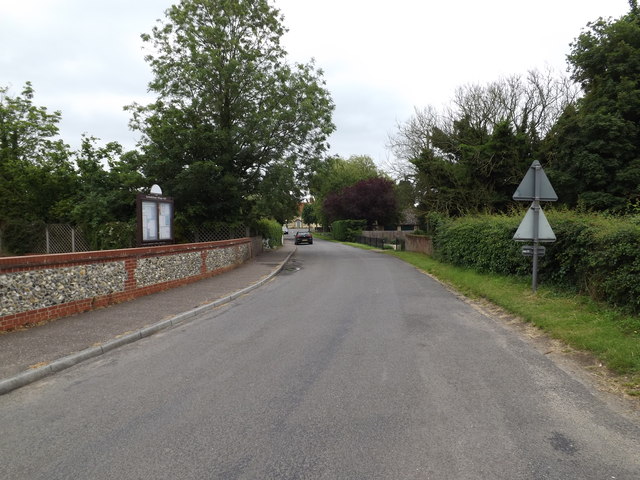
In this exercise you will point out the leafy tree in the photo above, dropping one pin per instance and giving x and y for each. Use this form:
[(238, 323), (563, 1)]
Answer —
[(27, 132), (106, 196), (278, 194), (405, 194), (36, 175), (39, 182), (373, 200), (230, 111), (594, 150), (471, 157), (471, 169), (334, 174), (309, 214)]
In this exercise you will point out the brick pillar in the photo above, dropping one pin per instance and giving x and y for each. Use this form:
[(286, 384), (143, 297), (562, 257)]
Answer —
[(203, 259), (130, 265)]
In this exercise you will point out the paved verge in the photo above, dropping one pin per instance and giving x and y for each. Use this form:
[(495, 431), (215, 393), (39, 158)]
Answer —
[(30, 354)]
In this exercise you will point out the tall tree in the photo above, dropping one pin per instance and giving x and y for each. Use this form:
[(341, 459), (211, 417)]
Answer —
[(471, 156), (373, 200), (336, 173), (106, 193), (594, 150), (309, 214), (35, 171), (278, 194), (229, 107)]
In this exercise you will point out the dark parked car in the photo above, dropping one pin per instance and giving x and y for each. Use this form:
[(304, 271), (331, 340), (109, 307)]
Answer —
[(304, 237)]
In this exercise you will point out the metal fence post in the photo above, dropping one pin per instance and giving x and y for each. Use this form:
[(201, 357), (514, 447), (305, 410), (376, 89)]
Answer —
[(47, 239)]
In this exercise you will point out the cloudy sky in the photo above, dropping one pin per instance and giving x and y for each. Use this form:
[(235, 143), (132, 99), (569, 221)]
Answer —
[(381, 59)]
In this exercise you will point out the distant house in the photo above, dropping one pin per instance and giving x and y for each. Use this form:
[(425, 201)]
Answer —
[(297, 223), (408, 222)]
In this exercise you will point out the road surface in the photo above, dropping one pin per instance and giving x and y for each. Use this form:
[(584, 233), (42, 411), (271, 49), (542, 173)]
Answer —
[(349, 365)]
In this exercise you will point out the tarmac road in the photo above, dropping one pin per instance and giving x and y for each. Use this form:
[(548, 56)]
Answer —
[(348, 365)]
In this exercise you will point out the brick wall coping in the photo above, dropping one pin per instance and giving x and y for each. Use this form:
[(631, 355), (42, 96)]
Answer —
[(28, 262)]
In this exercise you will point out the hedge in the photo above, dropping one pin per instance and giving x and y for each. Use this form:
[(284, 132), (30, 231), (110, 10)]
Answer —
[(19, 237), (347, 230), (593, 254), (270, 230)]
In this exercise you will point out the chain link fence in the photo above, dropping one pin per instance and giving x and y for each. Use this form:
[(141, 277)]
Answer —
[(61, 238), (40, 238), (217, 233)]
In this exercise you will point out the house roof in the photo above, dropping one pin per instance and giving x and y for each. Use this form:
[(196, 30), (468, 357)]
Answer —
[(409, 217)]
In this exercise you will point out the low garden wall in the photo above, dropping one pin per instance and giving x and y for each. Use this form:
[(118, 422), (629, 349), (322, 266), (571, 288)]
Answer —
[(418, 243), (388, 235), (413, 243), (37, 288)]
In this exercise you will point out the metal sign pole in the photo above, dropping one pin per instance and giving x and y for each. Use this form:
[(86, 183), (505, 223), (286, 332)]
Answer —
[(536, 226), (536, 242), (535, 187)]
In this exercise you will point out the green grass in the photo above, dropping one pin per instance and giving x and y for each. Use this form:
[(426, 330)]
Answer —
[(613, 337), (324, 236)]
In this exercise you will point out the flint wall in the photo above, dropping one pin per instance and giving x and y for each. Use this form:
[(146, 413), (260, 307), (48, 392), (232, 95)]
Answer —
[(38, 288)]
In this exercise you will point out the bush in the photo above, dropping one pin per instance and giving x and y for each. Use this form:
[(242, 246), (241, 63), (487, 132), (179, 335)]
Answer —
[(434, 223), (115, 235), (596, 255), (20, 236), (271, 231), (347, 230), (484, 243), (593, 254)]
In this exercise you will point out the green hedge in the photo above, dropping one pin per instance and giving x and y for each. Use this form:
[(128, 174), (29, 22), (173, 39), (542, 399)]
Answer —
[(593, 254), (271, 231), (112, 235), (484, 243), (19, 237), (347, 230)]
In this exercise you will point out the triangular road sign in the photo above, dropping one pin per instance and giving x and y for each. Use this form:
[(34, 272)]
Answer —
[(526, 190), (525, 230)]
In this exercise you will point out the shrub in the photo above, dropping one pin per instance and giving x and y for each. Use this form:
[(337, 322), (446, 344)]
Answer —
[(270, 230), (593, 254), (114, 235), (484, 243), (347, 230), (435, 223), (20, 236)]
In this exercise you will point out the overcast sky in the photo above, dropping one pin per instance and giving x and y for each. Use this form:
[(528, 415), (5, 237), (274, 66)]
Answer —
[(381, 59)]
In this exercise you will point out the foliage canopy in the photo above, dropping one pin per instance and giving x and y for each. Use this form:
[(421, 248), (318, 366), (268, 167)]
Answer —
[(594, 150), (35, 171), (229, 108), (372, 200), (334, 174), (471, 157), (43, 181)]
